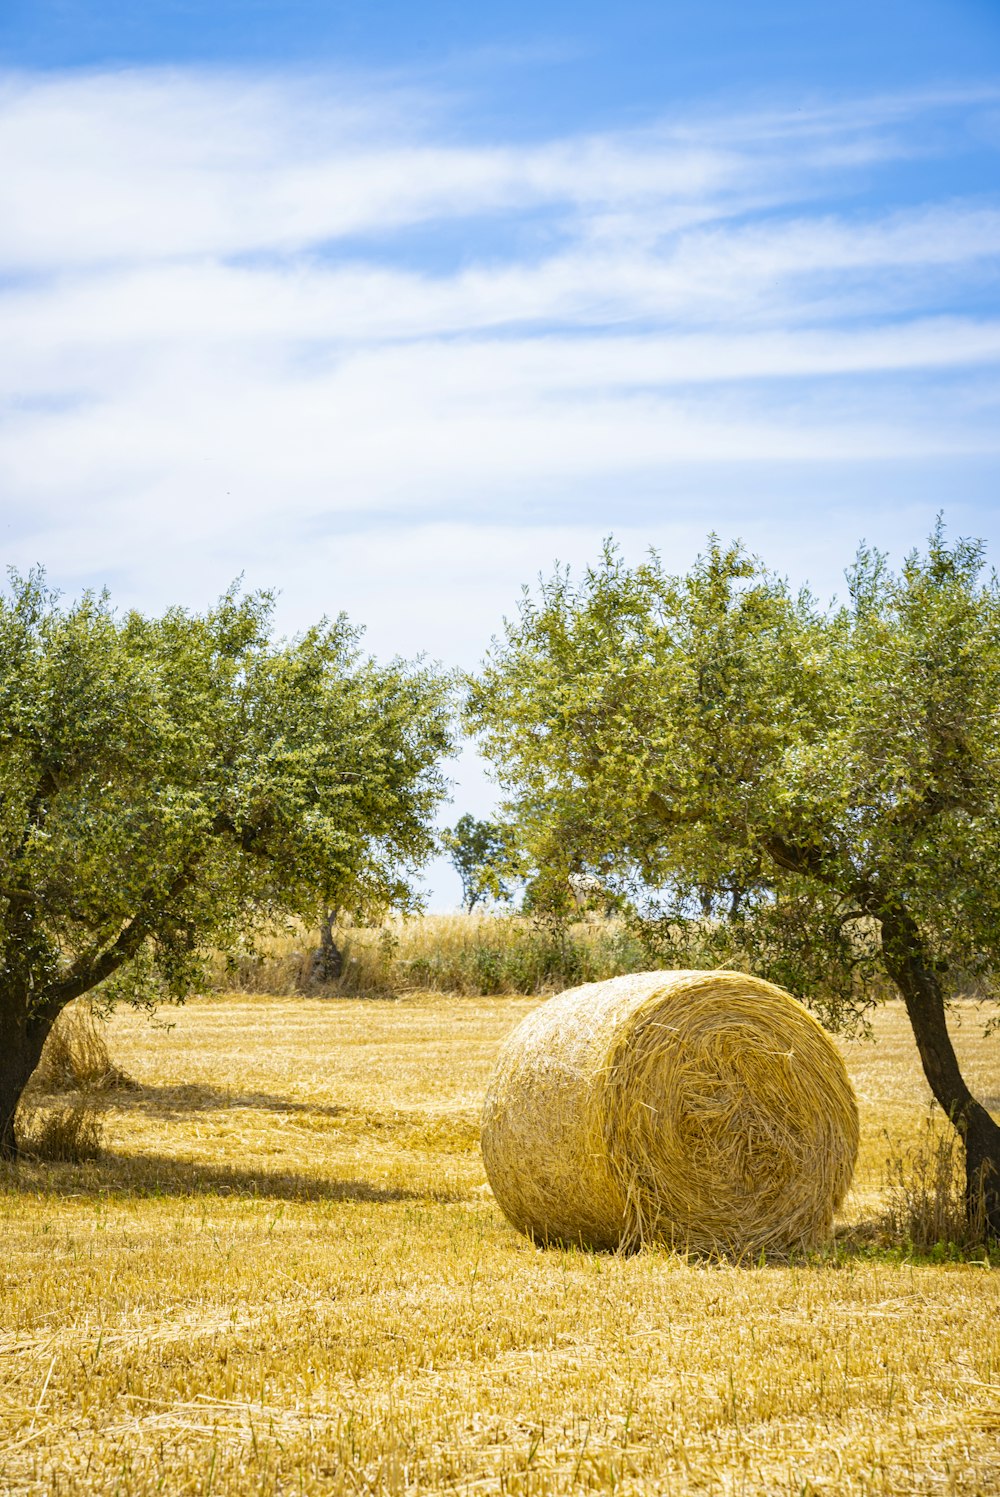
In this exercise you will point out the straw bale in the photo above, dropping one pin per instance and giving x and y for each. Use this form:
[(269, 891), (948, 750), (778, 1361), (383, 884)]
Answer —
[(708, 1110)]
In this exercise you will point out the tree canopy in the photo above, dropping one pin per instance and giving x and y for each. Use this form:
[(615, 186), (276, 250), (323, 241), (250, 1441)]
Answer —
[(814, 791), (173, 784), (482, 854)]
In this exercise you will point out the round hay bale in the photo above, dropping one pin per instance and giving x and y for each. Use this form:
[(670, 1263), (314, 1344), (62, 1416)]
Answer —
[(707, 1110)]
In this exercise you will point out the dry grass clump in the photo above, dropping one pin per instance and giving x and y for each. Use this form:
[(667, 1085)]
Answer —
[(925, 1203), (705, 1109), (69, 1133), (75, 1059), (76, 1055)]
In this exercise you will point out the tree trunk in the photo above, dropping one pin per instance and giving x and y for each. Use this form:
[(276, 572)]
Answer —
[(328, 959), (21, 1041), (982, 1168), (910, 970)]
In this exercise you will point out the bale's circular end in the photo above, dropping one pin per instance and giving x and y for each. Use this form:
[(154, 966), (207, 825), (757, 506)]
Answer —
[(708, 1110)]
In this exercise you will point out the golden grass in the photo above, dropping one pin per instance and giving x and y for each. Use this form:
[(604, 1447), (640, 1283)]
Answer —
[(708, 1110), (468, 954), (286, 1276)]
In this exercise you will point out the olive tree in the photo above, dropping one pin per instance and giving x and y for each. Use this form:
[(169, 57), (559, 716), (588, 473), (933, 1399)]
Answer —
[(822, 783), (177, 784)]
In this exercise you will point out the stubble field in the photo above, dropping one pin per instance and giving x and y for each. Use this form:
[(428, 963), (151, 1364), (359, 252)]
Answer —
[(287, 1275)]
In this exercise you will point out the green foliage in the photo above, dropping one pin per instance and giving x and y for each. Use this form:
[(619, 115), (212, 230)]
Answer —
[(484, 855), (509, 954), (170, 784), (525, 957), (759, 776)]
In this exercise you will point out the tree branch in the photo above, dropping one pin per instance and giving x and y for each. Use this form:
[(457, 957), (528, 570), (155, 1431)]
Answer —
[(83, 977), (795, 859), (86, 975), (666, 813)]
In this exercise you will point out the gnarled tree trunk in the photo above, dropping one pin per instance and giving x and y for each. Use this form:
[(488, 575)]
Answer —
[(913, 974), (24, 1035)]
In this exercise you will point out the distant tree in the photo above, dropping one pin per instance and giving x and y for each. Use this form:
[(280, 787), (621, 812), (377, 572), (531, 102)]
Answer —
[(483, 855), (824, 785), (174, 784)]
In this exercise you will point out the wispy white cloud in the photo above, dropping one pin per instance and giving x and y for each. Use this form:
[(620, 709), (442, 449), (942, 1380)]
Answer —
[(146, 165), (138, 166), (257, 322), (781, 272)]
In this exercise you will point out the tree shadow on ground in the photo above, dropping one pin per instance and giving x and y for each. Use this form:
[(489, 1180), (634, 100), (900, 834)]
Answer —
[(155, 1175), (175, 1101)]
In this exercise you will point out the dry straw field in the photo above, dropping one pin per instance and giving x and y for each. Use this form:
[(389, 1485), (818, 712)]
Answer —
[(286, 1274)]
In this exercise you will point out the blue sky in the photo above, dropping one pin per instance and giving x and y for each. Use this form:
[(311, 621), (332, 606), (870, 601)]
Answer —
[(390, 306), (534, 63)]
